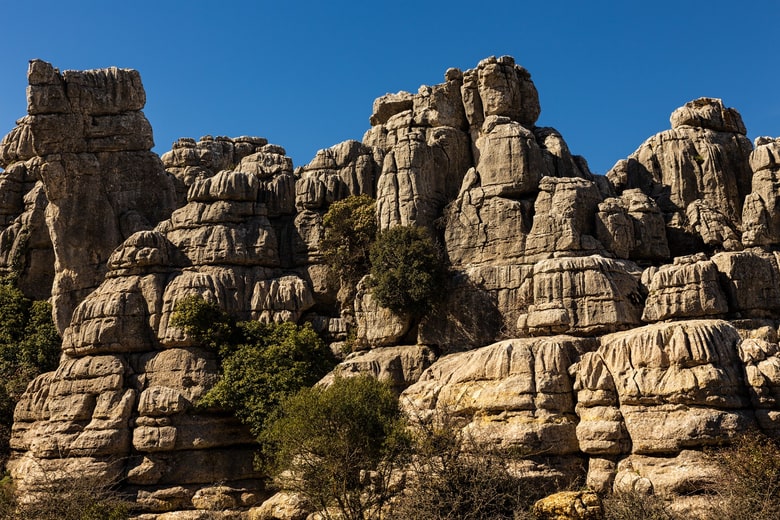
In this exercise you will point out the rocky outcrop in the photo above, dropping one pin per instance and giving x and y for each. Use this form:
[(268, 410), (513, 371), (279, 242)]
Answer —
[(698, 173), (582, 327), (515, 395), (86, 139), (423, 151), (128, 385)]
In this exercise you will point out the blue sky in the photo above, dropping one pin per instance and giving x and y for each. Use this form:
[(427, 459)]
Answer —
[(304, 74)]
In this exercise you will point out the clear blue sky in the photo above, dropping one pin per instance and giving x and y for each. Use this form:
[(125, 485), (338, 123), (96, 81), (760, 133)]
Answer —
[(305, 74)]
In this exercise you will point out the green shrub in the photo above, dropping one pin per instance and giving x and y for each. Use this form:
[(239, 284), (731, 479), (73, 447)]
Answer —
[(29, 346), (204, 321), (350, 229), (339, 445), (260, 364), (407, 270)]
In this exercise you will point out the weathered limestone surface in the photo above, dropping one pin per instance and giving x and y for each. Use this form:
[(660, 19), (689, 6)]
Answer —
[(582, 327), (688, 288), (585, 295), (702, 161), (128, 384), (516, 394), (86, 139)]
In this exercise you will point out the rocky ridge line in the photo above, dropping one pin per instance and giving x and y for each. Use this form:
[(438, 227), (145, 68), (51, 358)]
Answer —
[(613, 325)]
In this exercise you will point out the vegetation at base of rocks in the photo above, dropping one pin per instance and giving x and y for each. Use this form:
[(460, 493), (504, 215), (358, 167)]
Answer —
[(350, 229), (633, 505), (260, 363), (77, 497), (452, 476), (748, 481), (407, 270), (339, 446), (29, 346)]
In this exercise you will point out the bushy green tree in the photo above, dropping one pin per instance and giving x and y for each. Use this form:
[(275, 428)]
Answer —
[(338, 446), (260, 363), (407, 270), (350, 229)]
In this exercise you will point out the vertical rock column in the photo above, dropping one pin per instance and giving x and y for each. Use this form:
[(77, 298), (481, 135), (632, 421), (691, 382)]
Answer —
[(87, 140)]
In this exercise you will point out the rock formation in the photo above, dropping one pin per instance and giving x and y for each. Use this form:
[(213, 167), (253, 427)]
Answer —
[(86, 141), (603, 329)]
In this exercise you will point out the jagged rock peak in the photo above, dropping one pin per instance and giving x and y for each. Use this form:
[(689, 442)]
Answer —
[(87, 141)]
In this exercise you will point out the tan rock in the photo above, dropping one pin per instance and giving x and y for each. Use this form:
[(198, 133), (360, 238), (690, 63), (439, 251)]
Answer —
[(513, 394), (569, 505), (632, 226), (708, 113), (704, 157), (482, 229), (563, 218), (679, 385), (689, 472), (335, 173), (760, 215), (751, 282), (499, 87), (421, 173), (281, 506), (601, 475), (689, 288), (582, 295), (510, 160), (376, 325), (93, 157), (399, 366), (389, 105)]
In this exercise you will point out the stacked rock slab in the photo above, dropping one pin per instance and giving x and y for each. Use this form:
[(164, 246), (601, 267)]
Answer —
[(123, 401), (698, 173), (638, 313), (86, 139)]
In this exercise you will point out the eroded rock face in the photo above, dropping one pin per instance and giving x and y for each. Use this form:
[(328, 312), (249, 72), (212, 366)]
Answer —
[(698, 173), (128, 385), (86, 139), (582, 327), (516, 394)]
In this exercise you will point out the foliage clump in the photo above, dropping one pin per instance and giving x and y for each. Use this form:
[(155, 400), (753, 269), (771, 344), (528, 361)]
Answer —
[(350, 229), (260, 363), (338, 446), (407, 270), (29, 346)]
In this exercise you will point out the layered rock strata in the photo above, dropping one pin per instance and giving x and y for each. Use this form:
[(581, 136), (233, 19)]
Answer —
[(599, 329), (87, 142)]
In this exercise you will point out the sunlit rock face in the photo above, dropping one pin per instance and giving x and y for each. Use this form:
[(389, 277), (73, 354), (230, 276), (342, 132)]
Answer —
[(599, 329), (86, 142)]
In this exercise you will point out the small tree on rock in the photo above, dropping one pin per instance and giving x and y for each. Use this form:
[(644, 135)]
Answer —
[(338, 446), (407, 270), (260, 363), (350, 229)]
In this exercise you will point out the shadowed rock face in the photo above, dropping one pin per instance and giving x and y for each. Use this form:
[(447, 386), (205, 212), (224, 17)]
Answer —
[(597, 328)]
